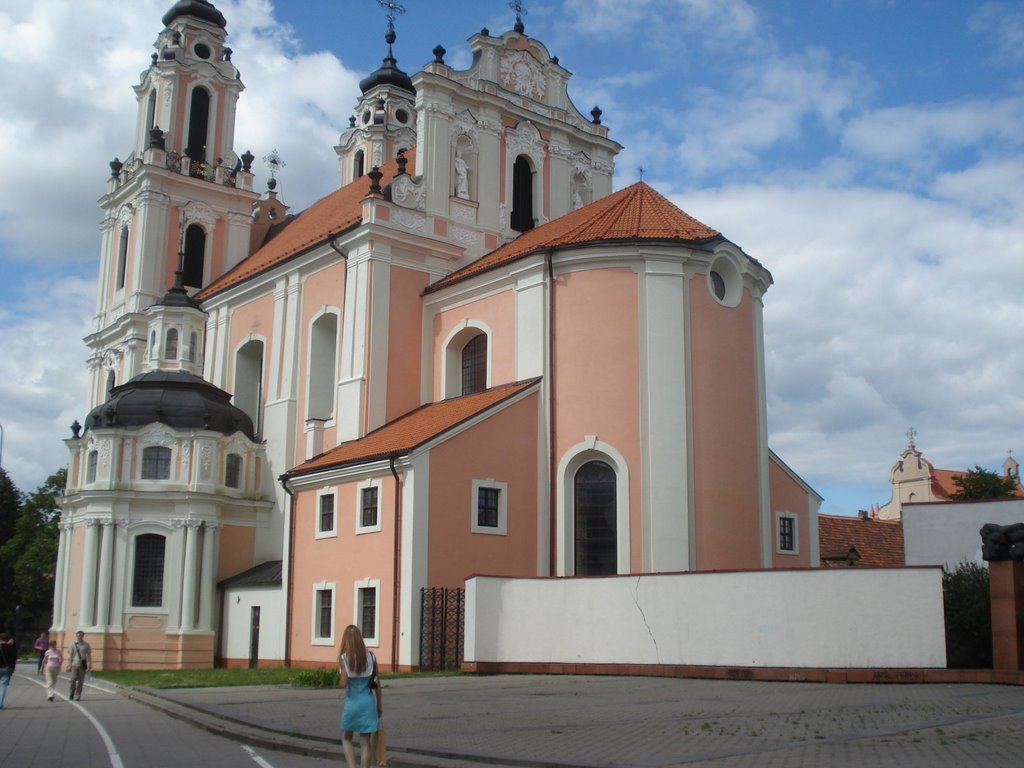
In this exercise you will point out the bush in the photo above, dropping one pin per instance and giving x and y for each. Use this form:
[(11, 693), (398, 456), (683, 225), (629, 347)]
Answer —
[(967, 606), (317, 678)]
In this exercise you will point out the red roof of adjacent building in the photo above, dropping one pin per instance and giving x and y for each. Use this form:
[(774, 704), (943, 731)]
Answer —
[(636, 213), (337, 212), (860, 541), (415, 428)]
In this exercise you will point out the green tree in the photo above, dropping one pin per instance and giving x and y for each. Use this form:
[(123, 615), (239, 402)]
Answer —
[(980, 483), (31, 554), (967, 606), (10, 506)]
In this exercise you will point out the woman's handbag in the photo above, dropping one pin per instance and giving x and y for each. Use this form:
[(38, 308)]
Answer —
[(380, 747)]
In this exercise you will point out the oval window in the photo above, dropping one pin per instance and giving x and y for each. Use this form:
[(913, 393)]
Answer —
[(202, 50)]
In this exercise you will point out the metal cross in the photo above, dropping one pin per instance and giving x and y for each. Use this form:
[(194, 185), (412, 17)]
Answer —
[(393, 8), (911, 434), (518, 7), (640, 169)]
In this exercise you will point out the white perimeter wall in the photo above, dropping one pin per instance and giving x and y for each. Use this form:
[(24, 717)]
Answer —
[(849, 617), (237, 620), (946, 533)]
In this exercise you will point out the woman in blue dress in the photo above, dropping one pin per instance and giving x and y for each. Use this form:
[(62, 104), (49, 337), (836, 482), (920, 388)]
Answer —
[(357, 670)]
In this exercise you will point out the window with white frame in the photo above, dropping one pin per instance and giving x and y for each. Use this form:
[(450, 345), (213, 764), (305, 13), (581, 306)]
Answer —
[(368, 516), (489, 506), (367, 616), (323, 613), (148, 571), (785, 524), (92, 463), (233, 471), (326, 513)]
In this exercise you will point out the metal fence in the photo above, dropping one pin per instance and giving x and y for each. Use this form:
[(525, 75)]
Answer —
[(442, 628)]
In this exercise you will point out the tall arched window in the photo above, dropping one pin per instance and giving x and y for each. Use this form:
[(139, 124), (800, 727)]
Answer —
[(148, 573), (199, 118), (248, 391), (195, 256), (171, 346), (474, 365), (522, 195), (358, 164), (323, 349), (596, 542), (122, 257)]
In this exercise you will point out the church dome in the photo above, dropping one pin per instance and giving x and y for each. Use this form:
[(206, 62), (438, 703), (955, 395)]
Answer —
[(200, 9), (388, 73), (179, 399)]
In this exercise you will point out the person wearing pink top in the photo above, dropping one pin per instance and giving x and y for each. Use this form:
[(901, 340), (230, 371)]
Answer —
[(51, 666)]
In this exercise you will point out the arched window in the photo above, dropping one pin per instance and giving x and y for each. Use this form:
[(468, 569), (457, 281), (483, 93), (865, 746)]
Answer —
[(156, 463), (122, 257), (233, 471), (358, 164), (522, 195), (248, 391), (151, 112), (323, 349), (596, 542), (171, 345), (192, 343), (199, 118), (148, 573), (474, 365), (195, 256)]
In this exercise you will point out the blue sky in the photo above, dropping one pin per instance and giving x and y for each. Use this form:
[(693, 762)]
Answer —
[(869, 153)]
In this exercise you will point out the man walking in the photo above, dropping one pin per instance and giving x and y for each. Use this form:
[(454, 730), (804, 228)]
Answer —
[(79, 661), (8, 659)]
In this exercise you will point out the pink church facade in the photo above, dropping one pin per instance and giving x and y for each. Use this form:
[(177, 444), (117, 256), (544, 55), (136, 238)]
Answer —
[(477, 360)]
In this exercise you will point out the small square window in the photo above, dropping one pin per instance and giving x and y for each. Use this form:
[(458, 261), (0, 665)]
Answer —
[(325, 518), (489, 507), (156, 463)]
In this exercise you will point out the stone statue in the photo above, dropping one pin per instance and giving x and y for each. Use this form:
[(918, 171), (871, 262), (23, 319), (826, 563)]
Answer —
[(1002, 542), (461, 177)]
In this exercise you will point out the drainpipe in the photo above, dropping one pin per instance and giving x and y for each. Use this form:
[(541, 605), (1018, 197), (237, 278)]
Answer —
[(550, 405), (283, 479), (396, 594)]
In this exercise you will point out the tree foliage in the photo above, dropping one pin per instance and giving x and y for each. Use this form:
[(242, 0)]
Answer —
[(980, 483), (967, 606)]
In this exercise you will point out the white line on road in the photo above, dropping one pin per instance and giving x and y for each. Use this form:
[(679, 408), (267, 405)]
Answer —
[(259, 760), (115, 758)]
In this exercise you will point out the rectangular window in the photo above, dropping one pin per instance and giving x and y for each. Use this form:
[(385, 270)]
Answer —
[(489, 507), (156, 463), (90, 471), (787, 533), (148, 574), (368, 517), (367, 616), (233, 471), (325, 514), (323, 614)]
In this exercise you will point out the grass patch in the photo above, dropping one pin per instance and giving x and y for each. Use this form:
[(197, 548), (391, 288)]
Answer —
[(217, 678)]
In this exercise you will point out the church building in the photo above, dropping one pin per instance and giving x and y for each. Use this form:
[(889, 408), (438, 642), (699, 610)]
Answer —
[(473, 357)]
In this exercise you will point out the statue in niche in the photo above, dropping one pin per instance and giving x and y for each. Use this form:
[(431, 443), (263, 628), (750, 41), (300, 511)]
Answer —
[(461, 177)]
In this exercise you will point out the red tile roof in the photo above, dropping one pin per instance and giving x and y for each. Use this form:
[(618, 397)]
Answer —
[(636, 213), (943, 485), (877, 543), (337, 212), (417, 427)]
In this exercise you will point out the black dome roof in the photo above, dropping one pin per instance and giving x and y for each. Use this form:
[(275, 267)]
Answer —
[(179, 399), (201, 9), (388, 73)]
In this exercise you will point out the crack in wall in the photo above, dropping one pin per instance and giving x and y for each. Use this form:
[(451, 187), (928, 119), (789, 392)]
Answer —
[(636, 601)]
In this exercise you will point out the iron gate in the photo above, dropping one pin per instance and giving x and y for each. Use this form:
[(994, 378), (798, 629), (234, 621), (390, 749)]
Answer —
[(442, 626)]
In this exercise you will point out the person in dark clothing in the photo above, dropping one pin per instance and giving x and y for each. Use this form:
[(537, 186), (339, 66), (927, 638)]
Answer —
[(8, 659)]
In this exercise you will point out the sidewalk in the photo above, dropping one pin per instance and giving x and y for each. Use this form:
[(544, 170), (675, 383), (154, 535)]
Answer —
[(574, 721)]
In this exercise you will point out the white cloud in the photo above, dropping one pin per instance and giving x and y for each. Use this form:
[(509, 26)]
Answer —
[(1003, 24)]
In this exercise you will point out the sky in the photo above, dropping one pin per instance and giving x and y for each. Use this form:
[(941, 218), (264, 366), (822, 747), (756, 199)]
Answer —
[(869, 153)]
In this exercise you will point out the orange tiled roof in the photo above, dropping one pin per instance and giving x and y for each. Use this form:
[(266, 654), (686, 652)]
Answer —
[(337, 212), (415, 428), (637, 212), (942, 482), (879, 543)]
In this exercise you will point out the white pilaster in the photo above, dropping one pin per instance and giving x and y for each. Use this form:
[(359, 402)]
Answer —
[(188, 580), (106, 569), (87, 610), (208, 575)]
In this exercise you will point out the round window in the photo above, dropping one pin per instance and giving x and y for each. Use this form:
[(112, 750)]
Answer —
[(717, 285), (202, 50), (725, 283), (401, 116), (366, 117)]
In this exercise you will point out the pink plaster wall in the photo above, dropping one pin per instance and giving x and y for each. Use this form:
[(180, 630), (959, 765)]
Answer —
[(342, 559), (788, 496), (498, 312), (725, 431), (404, 341), (455, 551)]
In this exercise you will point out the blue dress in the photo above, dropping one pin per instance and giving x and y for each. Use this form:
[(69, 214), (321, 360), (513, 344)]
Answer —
[(360, 712)]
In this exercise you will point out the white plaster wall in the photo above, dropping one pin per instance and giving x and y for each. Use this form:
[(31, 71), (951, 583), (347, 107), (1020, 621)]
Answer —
[(946, 533), (886, 617), (238, 604)]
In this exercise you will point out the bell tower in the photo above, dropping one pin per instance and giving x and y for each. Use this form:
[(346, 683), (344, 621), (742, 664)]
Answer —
[(180, 200)]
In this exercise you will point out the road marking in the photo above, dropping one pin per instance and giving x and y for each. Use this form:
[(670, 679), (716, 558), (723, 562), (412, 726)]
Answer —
[(115, 758), (259, 760)]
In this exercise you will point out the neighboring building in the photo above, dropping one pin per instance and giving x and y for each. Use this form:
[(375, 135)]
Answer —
[(473, 357), (914, 481), (860, 541), (948, 533)]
